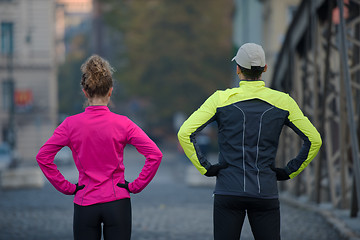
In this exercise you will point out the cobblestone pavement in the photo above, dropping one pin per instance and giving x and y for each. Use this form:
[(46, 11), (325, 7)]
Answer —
[(167, 209)]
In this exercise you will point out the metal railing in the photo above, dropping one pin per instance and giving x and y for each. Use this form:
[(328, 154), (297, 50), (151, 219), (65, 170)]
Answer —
[(319, 65)]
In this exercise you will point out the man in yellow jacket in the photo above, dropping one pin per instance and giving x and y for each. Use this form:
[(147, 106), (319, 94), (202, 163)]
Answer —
[(250, 119)]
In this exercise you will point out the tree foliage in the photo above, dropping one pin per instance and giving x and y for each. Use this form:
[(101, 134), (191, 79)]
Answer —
[(177, 52), (71, 99)]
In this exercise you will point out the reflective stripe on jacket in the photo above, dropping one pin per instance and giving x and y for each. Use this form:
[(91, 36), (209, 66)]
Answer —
[(250, 119)]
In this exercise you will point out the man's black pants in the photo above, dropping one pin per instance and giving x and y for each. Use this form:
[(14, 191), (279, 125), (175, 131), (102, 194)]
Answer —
[(115, 217), (230, 212)]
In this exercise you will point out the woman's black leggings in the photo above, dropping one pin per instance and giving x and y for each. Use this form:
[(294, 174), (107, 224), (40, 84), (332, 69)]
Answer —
[(115, 217), (230, 212)]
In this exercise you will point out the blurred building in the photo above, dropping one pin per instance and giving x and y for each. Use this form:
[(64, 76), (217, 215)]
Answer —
[(28, 96), (248, 22), (72, 17), (265, 23), (76, 6), (247, 26), (277, 16)]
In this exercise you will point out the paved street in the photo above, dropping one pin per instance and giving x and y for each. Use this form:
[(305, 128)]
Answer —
[(167, 209)]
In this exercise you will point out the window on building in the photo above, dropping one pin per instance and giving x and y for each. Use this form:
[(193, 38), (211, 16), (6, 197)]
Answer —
[(7, 94), (7, 38)]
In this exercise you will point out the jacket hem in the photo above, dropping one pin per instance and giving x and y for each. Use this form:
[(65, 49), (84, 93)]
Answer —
[(244, 194), (88, 203)]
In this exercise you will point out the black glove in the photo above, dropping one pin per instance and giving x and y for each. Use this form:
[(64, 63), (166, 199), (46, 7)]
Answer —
[(78, 188), (281, 174), (214, 169), (124, 185)]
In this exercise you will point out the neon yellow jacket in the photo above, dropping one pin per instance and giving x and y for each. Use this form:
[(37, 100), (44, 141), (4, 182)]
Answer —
[(250, 119)]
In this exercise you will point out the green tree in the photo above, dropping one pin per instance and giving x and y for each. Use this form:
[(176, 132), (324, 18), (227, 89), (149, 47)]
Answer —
[(177, 52), (71, 100)]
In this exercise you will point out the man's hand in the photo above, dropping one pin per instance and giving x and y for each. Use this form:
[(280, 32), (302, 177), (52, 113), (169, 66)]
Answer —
[(214, 169), (124, 185), (78, 188), (281, 174)]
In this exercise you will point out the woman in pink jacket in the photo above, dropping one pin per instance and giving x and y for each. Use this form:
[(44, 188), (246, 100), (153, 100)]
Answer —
[(97, 138)]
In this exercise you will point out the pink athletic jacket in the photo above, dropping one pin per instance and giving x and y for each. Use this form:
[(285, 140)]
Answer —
[(97, 138)]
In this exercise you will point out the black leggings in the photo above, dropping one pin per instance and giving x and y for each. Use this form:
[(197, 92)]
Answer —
[(115, 216), (229, 215)]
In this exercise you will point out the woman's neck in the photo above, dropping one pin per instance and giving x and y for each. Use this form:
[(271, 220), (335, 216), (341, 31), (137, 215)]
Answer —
[(95, 101)]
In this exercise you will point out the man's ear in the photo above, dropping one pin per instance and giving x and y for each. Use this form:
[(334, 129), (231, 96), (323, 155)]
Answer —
[(265, 68), (238, 70)]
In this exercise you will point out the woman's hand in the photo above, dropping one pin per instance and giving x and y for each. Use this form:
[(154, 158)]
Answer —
[(124, 185), (78, 188)]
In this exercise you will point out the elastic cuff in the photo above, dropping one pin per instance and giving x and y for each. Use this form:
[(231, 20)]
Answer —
[(73, 187), (287, 170), (130, 188), (205, 163)]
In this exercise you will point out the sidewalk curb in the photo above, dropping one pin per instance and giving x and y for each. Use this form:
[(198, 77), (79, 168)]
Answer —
[(339, 225), (195, 179), (22, 177)]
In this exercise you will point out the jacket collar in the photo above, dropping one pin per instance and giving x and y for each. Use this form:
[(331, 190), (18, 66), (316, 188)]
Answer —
[(252, 83), (101, 108)]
